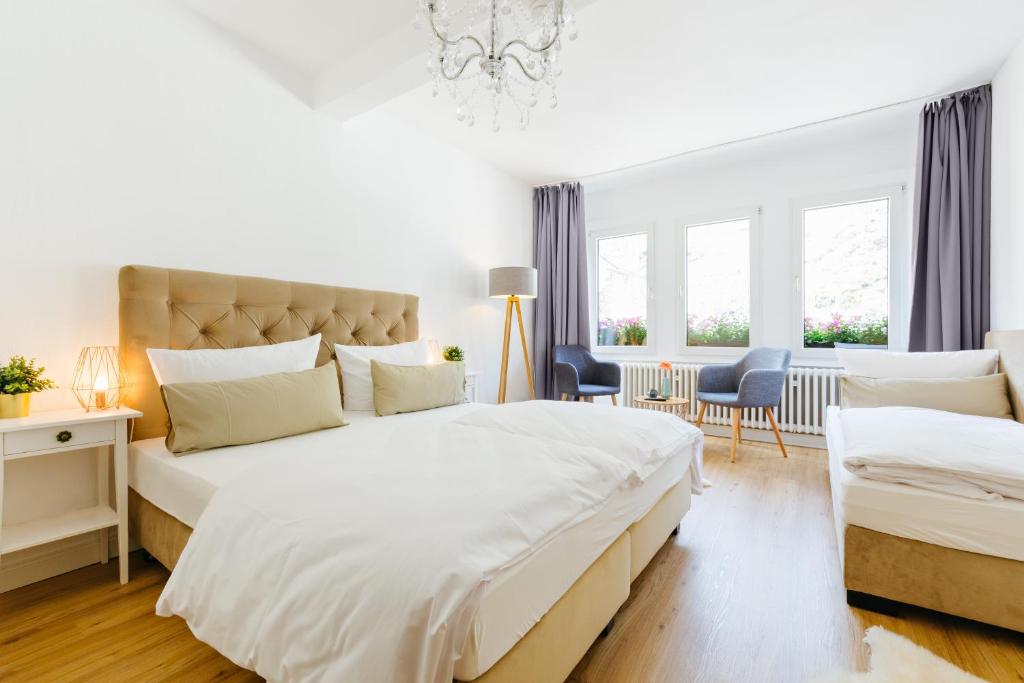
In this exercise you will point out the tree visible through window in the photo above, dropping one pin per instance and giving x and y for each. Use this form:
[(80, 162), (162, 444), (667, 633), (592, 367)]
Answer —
[(622, 290), (718, 283), (846, 274)]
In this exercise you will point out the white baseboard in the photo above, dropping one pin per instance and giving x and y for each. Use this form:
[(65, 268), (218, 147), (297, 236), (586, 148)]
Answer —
[(788, 438), (35, 564)]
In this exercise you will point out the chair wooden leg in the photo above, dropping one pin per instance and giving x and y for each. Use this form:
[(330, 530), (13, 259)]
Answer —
[(565, 397), (775, 428), (700, 414), (615, 400), (590, 399), (736, 416)]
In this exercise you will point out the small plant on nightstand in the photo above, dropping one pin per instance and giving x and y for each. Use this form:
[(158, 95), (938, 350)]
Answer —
[(453, 354), (19, 379)]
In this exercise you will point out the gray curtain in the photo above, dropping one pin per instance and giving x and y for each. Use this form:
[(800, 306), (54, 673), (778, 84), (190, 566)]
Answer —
[(952, 219), (561, 312)]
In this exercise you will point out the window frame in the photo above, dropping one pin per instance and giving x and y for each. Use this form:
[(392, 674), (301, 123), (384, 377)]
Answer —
[(681, 268), (897, 288), (593, 237)]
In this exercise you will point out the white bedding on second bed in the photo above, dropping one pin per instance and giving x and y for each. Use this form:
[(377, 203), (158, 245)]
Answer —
[(978, 526), (510, 604)]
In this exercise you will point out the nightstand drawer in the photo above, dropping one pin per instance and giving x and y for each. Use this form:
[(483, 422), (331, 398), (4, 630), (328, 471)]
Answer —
[(47, 438)]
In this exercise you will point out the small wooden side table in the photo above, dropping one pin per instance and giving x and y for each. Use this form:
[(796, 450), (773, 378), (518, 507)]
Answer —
[(672, 404), (45, 433)]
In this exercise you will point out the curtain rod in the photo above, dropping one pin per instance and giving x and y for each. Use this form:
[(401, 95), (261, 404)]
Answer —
[(923, 99)]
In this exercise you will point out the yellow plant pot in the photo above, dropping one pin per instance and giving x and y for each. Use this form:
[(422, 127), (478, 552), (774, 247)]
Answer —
[(14, 405)]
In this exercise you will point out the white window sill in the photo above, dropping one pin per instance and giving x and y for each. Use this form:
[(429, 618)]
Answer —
[(799, 360)]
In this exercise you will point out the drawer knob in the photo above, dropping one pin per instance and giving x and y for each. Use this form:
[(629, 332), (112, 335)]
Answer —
[(64, 436)]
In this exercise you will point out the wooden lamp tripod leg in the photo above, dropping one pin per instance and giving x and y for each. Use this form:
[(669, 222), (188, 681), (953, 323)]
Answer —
[(526, 351), (503, 380)]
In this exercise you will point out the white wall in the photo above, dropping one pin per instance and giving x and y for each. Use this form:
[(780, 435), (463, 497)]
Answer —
[(131, 133), (1008, 193), (871, 151)]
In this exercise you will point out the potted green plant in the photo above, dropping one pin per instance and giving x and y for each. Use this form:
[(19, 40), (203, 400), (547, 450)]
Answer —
[(453, 354), (19, 379)]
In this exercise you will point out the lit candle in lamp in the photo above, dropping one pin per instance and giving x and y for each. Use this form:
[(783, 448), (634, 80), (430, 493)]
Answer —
[(99, 392)]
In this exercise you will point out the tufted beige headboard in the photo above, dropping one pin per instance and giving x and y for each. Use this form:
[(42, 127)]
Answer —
[(185, 309), (1010, 344)]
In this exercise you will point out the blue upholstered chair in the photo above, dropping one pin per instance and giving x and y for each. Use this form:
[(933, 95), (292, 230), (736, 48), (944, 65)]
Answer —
[(756, 381), (581, 376)]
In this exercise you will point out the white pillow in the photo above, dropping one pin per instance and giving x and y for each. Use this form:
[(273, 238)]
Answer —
[(356, 382), (884, 364), (218, 365)]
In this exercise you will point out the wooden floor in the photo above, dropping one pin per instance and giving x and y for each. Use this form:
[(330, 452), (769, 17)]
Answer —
[(750, 590)]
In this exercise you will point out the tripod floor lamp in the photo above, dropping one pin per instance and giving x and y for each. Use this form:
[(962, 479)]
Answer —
[(513, 284)]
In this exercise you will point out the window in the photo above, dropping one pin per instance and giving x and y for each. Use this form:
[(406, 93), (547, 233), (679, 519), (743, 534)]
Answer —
[(717, 287), (846, 273), (622, 270)]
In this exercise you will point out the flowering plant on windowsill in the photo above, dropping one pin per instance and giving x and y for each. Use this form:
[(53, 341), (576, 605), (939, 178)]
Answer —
[(622, 332), (727, 329), (824, 334)]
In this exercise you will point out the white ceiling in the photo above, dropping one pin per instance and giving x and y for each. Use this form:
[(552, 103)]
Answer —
[(310, 35), (647, 79)]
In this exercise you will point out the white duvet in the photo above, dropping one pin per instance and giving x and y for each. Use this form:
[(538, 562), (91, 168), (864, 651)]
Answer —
[(367, 562), (634, 437), (962, 455)]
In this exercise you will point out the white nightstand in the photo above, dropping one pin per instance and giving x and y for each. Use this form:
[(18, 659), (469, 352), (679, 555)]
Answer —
[(60, 431), (471, 383)]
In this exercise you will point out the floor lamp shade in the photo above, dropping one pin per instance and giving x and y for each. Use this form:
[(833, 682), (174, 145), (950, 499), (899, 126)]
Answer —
[(518, 281), (513, 284)]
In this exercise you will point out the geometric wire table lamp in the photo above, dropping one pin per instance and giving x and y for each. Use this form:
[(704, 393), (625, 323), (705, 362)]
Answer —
[(98, 381)]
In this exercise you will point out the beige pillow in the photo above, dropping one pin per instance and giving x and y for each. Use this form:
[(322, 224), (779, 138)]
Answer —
[(213, 414), (408, 388), (984, 396)]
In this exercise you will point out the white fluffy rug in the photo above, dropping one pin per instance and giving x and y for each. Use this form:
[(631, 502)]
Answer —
[(894, 659)]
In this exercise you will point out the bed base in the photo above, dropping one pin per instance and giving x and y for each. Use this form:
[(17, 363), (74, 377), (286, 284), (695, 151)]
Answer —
[(607, 630), (873, 603), (556, 643), (160, 534), (970, 585)]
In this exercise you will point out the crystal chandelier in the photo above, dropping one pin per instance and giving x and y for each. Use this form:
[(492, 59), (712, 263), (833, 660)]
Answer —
[(515, 61)]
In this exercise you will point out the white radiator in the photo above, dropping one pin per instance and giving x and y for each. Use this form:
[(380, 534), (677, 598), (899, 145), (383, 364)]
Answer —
[(807, 393)]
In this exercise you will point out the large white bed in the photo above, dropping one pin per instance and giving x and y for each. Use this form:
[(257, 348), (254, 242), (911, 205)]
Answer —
[(476, 543), (979, 526), (511, 604)]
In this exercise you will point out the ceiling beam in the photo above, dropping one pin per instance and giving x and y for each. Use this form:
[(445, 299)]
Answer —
[(385, 69)]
